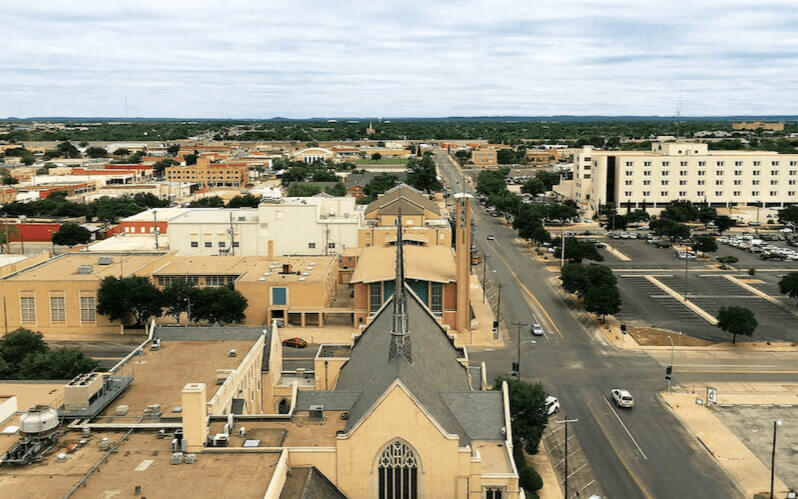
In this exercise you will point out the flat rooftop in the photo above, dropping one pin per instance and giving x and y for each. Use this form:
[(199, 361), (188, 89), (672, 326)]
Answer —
[(216, 216), (131, 242), (160, 375), (142, 460), (164, 214), (426, 263), (300, 431), (251, 268), (65, 267)]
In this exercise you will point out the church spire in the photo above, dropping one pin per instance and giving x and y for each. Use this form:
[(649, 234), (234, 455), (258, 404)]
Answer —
[(400, 331)]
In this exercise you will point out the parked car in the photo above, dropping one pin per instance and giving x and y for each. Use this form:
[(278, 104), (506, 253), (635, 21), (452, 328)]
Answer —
[(295, 342), (622, 398), (662, 243), (552, 405), (536, 330)]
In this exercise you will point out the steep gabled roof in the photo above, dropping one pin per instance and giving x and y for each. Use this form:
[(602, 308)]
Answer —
[(433, 371), (405, 198)]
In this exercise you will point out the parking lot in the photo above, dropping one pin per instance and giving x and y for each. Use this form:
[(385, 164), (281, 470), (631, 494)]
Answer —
[(652, 283), (754, 427)]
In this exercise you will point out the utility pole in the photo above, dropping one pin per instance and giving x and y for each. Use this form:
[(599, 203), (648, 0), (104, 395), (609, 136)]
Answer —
[(671, 365), (499, 304), (565, 476), (776, 424), (518, 355), (562, 251), (686, 260), (484, 277), (155, 226)]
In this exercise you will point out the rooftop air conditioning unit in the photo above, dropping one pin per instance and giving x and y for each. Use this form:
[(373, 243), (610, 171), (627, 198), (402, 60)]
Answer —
[(316, 412), (85, 269), (105, 260)]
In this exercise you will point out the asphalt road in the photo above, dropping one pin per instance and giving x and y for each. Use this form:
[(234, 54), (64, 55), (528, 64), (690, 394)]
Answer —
[(644, 452)]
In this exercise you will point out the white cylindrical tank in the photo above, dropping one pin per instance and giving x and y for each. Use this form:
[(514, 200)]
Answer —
[(38, 421)]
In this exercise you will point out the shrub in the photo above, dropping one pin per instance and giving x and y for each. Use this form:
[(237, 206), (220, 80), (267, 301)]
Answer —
[(530, 480)]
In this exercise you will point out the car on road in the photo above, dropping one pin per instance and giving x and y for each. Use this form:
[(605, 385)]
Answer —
[(491, 237), (552, 405), (622, 398), (295, 342), (536, 330)]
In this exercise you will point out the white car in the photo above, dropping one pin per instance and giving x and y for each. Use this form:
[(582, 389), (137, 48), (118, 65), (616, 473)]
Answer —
[(536, 330), (552, 405), (622, 398), (785, 230), (491, 238)]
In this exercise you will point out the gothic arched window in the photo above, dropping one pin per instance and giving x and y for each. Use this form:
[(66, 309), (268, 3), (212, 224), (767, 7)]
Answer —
[(398, 472)]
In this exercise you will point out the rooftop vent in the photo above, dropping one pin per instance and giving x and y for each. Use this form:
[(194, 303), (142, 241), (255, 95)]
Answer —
[(85, 269), (105, 260), (286, 268), (316, 412)]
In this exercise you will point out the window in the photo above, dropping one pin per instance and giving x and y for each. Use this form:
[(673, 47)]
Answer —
[(719, 172), (757, 163), (737, 193), (436, 297), (701, 182), (683, 182), (683, 163), (397, 472), (701, 173), (719, 163), (663, 193), (627, 193), (646, 182), (702, 163), (666, 163), (646, 163), (165, 280), (682, 173), (630, 163), (208, 244), (27, 306), (738, 163), (718, 193), (279, 296), (793, 172), (663, 182), (682, 194), (755, 173), (218, 280), (793, 163), (222, 244), (774, 182), (646, 193), (647, 174), (719, 182), (195, 244), (791, 193), (311, 245), (791, 182), (737, 173), (57, 309), (774, 172), (628, 173), (665, 174), (755, 182), (192, 279), (331, 245), (628, 182), (773, 193), (235, 244), (493, 493), (774, 163), (699, 193), (738, 182), (755, 193), (88, 309), (375, 296)]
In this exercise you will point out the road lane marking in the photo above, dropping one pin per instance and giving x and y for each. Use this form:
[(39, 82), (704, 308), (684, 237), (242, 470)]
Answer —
[(726, 365), (526, 290), (625, 465), (734, 371), (625, 428)]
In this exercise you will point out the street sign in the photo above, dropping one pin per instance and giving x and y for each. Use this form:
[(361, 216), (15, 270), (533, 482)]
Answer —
[(712, 395)]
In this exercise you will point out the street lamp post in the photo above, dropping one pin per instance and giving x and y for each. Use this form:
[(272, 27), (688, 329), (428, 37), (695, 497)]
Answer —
[(776, 424), (565, 475), (484, 277)]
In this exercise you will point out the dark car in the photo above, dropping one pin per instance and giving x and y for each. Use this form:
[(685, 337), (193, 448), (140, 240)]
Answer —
[(295, 342)]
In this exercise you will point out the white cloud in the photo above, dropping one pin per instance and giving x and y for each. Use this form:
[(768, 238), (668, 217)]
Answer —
[(302, 59)]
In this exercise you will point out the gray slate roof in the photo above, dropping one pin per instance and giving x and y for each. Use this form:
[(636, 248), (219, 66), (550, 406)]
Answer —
[(362, 179), (331, 400), (309, 483), (410, 200), (434, 369), (480, 413)]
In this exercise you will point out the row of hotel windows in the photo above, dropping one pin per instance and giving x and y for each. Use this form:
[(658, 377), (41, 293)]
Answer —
[(702, 182), (704, 163), (27, 306), (737, 173), (702, 193)]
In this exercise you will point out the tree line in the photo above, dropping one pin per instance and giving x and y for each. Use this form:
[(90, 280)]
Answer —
[(25, 355)]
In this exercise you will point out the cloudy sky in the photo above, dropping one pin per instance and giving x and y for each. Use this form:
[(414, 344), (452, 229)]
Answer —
[(259, 59)]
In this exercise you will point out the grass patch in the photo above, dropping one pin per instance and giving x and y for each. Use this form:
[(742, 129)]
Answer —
[(649, 336), (383, 161)]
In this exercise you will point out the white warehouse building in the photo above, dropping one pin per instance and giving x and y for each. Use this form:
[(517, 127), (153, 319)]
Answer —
[(292, 226), (671, 171)]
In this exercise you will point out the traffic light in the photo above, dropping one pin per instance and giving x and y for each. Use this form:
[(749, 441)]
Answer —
[(668, 372), (623, 328), (515, 366)]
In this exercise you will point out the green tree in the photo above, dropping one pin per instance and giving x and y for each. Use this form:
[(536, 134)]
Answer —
[(245, 201), (423, 175), (533, 186), (527, 412), (136, 296), (71, 234), (67, 150), (705, 244), (303, 190), (149, 200), (737, 320), (788, 285), (207, 202), (603, 300), (492, 181), (638, 216), (222, 305), (122, 152), (549, 179), (723, 223), (576, 250), (160, 167), (376, 156), (789, 215), (667, 227), (681, 211), (463, 156), (27, 160), (173, 150), (62, 363), (96, 152), (16, 345), (574, 278), (338, 190), (177, 297), (190, 159), (725, 261)]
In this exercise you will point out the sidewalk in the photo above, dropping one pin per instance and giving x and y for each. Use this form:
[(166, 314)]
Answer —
[(482, 324), (540, 462), (739, 462)]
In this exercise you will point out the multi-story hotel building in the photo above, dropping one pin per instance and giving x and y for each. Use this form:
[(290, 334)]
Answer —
[(683, 171), (211, 175)]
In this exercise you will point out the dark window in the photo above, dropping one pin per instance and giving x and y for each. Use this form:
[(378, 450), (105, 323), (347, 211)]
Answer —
[(436, 297), (208, 244), (195, 244), (375, 296), (398, 472)]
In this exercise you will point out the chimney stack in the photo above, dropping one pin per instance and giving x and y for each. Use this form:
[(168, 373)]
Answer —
[(463, 260), (270, 249)]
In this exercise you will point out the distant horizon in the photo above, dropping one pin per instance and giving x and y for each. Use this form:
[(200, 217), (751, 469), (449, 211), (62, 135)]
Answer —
[(374, 119)]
